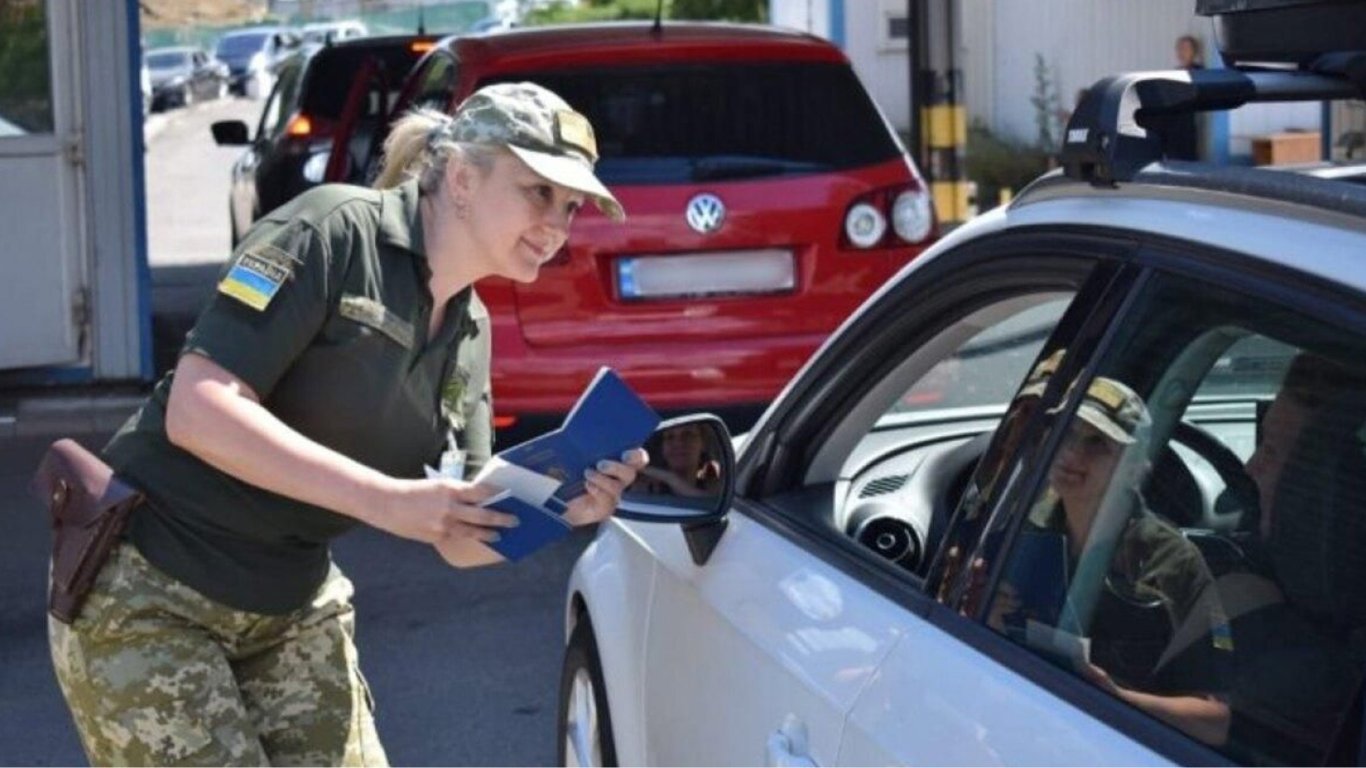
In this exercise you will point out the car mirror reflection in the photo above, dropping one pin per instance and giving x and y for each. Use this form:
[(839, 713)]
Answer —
[(691, 474)]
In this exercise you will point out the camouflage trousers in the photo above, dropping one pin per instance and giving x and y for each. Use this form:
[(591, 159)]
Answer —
[(157, 674)]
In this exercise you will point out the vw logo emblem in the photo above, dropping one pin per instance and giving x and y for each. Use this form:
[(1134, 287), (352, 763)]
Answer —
[(705, 213)]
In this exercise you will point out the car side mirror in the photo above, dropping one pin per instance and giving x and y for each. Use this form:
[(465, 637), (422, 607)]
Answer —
[(229, 133), (690, 477)]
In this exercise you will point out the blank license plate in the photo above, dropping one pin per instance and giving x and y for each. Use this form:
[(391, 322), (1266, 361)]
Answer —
[(719, 273)]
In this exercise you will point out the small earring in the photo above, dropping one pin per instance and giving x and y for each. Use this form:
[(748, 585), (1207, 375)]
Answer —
[(462, 208)]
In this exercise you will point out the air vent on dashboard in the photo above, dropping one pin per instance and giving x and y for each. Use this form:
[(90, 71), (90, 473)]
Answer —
[(892, 538), (882, 485)]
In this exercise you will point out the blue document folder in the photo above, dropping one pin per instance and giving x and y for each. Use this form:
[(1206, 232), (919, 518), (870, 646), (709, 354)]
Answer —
[(608, 419), (1038, 572), (538, 527)]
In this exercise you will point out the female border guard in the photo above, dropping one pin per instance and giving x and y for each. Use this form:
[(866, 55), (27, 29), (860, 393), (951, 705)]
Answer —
[(306, 399)]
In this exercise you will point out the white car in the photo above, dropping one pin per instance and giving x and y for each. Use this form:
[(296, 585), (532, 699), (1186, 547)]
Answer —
[(1085, 485), (323, 32)]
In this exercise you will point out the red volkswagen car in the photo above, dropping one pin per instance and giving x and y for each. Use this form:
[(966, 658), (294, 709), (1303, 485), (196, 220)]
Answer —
[(766, 196)]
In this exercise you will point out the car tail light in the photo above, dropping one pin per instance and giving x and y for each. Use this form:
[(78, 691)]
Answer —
[(421, 46), (907, 208), (300, 125), (302, 131), (864, 225), (913, 216)]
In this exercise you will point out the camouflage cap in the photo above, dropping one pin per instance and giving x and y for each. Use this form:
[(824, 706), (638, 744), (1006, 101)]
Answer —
[(542, 130), (1116, 410)]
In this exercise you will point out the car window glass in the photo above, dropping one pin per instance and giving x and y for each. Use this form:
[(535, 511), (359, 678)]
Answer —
[(283, 100), (332, 70), (910, 470), (697, 122), (987, 369), (26, 86), (274, 113), (1197, 544), (436, 84)]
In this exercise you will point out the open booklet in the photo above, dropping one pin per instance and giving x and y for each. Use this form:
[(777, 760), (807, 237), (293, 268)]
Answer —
[(541, 476)]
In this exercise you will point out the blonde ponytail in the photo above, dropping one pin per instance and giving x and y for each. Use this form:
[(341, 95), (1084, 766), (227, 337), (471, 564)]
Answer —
[(419, 146)]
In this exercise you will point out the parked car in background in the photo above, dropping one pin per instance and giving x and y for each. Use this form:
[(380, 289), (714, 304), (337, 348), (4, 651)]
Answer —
[(317, 88), (1083, 485), (183, 75), (252, 55), (766, 197), (145, 85), (332, 31)]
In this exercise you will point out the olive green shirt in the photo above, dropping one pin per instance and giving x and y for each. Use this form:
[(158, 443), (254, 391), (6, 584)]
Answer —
[(323, 311), (1153, 563)]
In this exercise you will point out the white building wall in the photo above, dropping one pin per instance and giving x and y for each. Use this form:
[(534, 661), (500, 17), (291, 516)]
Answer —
[(883, 64), (880, 63), (1080, 41), (807, 15)]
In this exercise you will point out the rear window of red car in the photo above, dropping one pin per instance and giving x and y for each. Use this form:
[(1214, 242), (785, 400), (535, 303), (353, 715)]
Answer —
[(690, 123)]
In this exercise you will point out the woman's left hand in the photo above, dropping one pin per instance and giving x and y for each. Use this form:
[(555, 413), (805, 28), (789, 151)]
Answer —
[(603, 487)]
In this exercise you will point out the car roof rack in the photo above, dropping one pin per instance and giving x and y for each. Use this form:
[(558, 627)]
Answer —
[(1106, 141)]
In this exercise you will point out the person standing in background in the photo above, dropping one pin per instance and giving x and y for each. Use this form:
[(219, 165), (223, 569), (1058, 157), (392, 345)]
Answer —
[(1181, 133)]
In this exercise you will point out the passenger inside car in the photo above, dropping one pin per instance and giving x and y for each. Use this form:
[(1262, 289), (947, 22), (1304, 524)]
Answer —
[(1155, 581), (1300, 653)]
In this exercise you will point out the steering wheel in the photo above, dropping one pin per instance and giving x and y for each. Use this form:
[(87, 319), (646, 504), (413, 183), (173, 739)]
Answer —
[(1239, 496)]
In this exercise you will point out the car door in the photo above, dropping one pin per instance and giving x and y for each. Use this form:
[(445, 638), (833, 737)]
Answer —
[(1264, 639), (761, 652)]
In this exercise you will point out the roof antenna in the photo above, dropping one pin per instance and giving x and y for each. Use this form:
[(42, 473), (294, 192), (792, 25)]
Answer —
[(421, 17), (658, 29)]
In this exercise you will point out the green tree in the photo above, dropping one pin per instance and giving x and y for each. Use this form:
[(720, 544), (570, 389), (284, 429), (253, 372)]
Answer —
[(620, 10), (722, 10), (25, 80), (1047, 105)]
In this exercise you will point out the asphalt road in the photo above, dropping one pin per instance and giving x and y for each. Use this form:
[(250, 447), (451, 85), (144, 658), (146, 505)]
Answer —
[(464, 665)]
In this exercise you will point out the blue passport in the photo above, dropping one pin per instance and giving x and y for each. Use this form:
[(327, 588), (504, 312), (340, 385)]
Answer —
[(538, 528), (608, 419)]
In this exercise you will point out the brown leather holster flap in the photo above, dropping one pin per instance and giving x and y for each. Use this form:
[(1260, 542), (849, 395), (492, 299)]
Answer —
[(89, 508)]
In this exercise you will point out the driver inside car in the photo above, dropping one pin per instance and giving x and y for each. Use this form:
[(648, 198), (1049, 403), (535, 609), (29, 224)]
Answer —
[(1302, 634), (1090, 541)]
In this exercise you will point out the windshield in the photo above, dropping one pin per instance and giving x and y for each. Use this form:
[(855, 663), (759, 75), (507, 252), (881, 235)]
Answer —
[(167, 60), (236, 45), (699, 122)]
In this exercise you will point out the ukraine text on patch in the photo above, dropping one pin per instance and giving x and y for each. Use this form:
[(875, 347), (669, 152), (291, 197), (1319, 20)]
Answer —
[(254, 279)]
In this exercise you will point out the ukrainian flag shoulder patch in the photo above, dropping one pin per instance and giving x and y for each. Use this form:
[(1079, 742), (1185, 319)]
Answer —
[(256, 277)]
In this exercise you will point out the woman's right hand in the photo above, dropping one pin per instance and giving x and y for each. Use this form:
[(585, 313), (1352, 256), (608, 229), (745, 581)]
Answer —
[(437, 510)]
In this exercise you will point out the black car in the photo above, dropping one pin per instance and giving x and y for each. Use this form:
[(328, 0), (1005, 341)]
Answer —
[(317, 88), (184, 74)]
